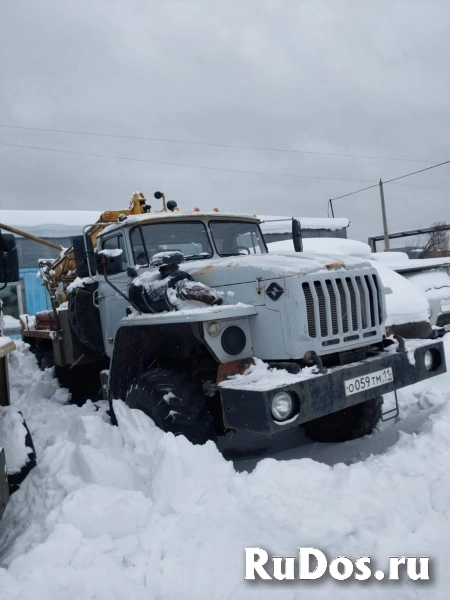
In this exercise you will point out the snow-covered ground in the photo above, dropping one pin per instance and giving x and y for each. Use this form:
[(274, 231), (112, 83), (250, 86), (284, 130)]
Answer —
[(130, 513)]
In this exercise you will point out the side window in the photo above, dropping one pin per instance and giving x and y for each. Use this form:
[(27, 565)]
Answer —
[(115, 243)]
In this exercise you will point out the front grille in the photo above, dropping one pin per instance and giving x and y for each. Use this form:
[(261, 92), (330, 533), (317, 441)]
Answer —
[(343, 305)]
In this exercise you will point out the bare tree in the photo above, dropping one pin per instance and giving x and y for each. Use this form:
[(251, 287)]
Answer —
[(431, 245)]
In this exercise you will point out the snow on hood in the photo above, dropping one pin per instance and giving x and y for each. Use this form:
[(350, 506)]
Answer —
[(336, 246), (406, 304), (131, 513), (248, 268)]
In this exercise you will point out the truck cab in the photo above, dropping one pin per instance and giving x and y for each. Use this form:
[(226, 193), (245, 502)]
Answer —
[(270, 342), (203, 238)]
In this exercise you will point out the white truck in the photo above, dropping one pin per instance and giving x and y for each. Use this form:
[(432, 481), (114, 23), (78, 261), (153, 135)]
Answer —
[(205, 331), (429, 275)]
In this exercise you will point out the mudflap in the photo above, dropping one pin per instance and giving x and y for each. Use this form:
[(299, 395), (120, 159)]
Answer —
[(19, 451)]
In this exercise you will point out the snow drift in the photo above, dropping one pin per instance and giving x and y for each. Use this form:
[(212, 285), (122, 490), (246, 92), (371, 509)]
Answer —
[(128, 512)]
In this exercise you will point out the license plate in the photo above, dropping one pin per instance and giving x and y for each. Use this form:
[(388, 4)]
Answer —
[(369, 381)]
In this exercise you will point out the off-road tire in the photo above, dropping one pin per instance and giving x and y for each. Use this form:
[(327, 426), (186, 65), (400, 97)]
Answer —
[(185, 412), (84, 318), (47, 360), (44, 356), (347, 424), (82, 381)]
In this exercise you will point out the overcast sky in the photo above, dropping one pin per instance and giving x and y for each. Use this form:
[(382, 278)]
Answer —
[(362, 77)]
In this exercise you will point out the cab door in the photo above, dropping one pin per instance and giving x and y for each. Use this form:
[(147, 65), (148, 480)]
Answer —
[(111, 304)]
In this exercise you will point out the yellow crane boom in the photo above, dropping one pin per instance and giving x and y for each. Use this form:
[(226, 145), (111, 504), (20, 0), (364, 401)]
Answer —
[(63, 269)]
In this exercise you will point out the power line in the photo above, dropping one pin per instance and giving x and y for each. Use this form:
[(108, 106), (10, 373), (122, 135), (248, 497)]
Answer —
[(194, 143), (321, 209), (391, 180), (415, 172), (351, 193), (428, 187), (209, 168), (158, 162)]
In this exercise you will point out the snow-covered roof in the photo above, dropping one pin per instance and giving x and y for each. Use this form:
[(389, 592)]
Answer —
[(338, 246), (417, 264), (283, 224), (67, 223), (50, 223), (400, 262)]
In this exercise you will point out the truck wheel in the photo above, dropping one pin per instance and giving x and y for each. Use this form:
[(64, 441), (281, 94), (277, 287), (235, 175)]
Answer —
[(43, 356), (47, 360), (84, 318), (348, 424), (174, 404)]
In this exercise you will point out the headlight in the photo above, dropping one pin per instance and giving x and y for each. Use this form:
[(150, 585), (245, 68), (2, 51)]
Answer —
[(428, 360), (214, 329), (282, 406), (233, 340)]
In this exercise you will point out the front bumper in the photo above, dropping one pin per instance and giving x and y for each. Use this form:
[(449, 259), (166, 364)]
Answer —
[(250, 410)]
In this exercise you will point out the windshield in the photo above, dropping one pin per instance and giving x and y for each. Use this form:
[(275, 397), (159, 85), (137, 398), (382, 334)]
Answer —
[(428, 279), (233, 238), (190, 238)]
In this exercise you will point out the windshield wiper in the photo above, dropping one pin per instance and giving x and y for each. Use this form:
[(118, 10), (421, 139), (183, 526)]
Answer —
[(197, 256), (233, 254)]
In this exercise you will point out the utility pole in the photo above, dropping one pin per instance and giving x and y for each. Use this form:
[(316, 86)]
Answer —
[(331, 206), (387, 245)]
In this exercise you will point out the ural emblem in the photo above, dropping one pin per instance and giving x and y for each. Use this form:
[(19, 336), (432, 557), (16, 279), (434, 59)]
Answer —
[(274, 291)]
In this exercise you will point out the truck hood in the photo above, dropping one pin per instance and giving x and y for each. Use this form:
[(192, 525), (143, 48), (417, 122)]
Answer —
[(243, 269)]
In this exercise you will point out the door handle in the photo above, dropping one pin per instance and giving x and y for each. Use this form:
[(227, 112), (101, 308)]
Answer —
[(95, 299)]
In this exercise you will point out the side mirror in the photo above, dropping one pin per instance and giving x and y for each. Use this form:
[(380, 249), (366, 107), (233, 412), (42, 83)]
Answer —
[(84, 260), (297, 235), (131, 272), (109, 261), (9, 262)]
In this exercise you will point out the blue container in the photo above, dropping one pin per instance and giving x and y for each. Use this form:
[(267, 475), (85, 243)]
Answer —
[(35, 294)]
